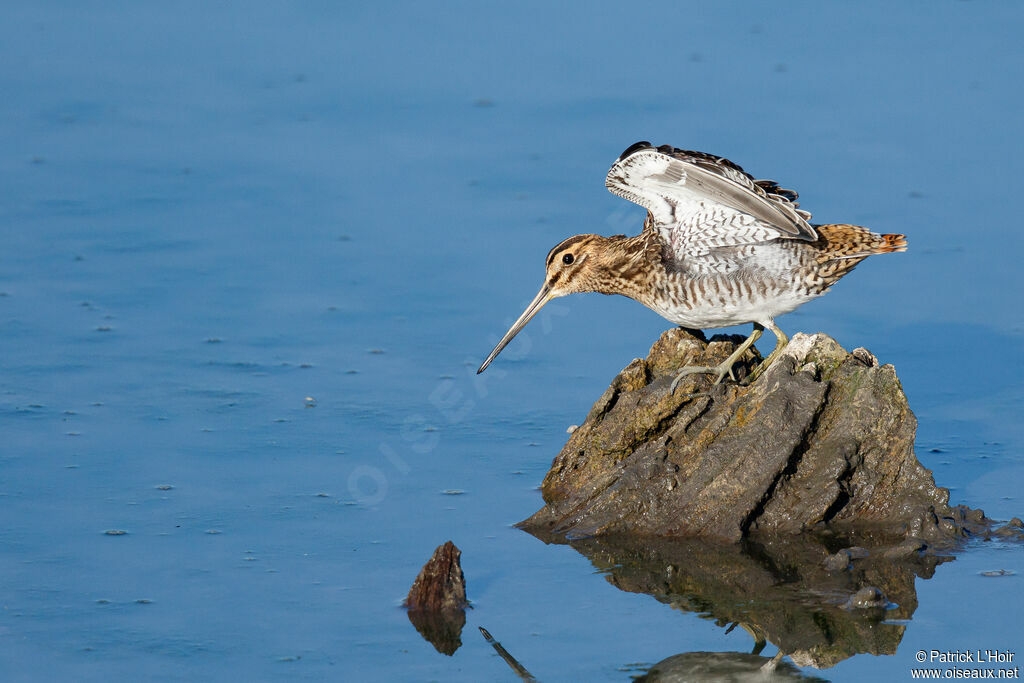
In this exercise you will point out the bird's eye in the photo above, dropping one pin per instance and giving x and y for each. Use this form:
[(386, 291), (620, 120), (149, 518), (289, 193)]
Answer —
[(567, 259)]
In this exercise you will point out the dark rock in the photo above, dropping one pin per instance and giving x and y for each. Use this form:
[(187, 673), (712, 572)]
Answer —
[(974, 516), (437, 599), (1009, 531), (1012, 530), (824, 440)]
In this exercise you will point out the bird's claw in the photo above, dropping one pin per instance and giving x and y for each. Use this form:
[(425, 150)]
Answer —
[(719, 371)]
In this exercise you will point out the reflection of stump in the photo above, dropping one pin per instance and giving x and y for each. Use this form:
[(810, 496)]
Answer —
[(823, 440), (437, 599), (779, 590)]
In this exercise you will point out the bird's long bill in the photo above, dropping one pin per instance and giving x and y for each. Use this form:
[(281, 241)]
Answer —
[(543, 296)]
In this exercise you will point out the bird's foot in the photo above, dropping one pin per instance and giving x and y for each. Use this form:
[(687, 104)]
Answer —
[(725, 367), (720, 371)]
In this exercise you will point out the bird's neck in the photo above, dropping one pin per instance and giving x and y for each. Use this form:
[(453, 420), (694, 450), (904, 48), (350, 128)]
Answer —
[(632, 267)]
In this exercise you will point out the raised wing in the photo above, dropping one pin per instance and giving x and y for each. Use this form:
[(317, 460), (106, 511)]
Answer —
[(700, 202)]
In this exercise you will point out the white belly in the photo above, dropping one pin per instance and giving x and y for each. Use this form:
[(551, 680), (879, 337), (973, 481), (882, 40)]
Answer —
[(714, 311)]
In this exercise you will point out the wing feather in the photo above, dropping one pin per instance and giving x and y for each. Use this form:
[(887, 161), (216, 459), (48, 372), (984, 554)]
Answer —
[(699, 202)]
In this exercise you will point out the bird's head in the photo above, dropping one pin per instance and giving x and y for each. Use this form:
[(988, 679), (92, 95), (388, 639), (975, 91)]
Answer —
[(574, 265)]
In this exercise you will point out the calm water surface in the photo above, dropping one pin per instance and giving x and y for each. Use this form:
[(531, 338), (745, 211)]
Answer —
[(252, 255)]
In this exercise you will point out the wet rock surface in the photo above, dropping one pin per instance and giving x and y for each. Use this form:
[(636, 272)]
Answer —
[(437, 599), (824, 440), (1014, 529)]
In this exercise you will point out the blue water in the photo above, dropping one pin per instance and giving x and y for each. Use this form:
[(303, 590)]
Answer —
[(252, 254)]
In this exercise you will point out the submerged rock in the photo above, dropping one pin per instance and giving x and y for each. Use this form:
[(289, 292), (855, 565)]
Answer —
[(824, 440), (1014, 529)]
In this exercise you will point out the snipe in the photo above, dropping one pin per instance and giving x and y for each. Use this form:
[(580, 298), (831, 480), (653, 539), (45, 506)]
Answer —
[(718, 248)]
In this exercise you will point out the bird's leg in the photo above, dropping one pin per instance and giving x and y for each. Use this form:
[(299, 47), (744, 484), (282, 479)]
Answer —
[(725, 367), (780, 343)]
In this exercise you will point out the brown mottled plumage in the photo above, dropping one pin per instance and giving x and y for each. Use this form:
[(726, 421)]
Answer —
[(718, 248)]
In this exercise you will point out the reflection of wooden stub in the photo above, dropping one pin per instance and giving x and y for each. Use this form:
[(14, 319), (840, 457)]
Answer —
[(437, 598), (441, 628), (441, 584)]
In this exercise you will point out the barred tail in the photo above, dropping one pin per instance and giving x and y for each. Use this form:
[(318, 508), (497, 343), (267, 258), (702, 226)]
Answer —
[(854, 242), (890, 243)]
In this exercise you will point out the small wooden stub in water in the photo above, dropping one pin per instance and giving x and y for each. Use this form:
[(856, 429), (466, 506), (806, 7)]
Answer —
[(437, 599), (441, 584)]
